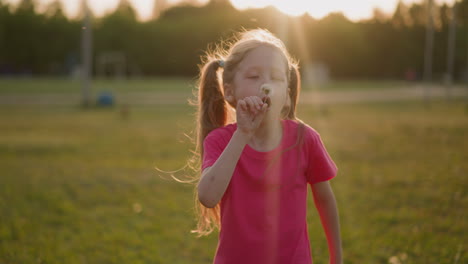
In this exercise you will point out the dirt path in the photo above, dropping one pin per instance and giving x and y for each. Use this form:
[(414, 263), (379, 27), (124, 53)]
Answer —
[(307, 97)]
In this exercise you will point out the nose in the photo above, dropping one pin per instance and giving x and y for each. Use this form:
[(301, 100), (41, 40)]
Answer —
[(266, 89)]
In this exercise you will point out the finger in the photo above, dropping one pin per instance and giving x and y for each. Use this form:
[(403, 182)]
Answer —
[(258, 118), (257, 102), (242, 105), (251, 105)]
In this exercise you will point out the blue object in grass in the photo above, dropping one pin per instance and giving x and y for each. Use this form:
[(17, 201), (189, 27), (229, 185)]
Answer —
[(105, 99)]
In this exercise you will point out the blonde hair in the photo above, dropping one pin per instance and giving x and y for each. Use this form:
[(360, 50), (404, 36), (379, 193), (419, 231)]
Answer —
[(212, 108)]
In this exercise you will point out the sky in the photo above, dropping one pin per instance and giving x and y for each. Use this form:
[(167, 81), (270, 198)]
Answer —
[(353, 9)]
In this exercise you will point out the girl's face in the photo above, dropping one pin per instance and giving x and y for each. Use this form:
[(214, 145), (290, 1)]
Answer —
[(262, 73)]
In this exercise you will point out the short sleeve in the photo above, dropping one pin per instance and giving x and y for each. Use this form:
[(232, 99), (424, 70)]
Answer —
[(213, 146), (320, 165)]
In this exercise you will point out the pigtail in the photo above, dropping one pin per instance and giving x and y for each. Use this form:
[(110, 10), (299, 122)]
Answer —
[(212, 113), (212, 108), (294, 90)]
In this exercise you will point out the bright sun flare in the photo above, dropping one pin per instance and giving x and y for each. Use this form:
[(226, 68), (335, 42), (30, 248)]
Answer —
[(319, 9), (354, 10)]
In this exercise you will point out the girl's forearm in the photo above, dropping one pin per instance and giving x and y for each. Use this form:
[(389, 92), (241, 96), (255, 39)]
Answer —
[(329, 217), (215, 179)]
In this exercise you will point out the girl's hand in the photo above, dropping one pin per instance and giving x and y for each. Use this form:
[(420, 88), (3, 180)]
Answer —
[(250, 112)]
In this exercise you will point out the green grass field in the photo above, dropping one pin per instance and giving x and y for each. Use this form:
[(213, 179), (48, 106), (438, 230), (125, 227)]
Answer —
[(79, 186), (67, 86)]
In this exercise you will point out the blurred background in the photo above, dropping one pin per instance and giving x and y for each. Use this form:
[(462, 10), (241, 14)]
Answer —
[(95, 94)]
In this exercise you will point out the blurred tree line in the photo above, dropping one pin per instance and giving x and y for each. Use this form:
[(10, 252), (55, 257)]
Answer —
[(385, 46)]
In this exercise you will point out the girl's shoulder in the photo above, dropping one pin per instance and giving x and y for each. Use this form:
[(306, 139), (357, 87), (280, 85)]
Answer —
[(304, 135), (299, 127)]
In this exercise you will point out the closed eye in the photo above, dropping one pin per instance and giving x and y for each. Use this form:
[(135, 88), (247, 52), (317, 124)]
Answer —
[(253, 77)]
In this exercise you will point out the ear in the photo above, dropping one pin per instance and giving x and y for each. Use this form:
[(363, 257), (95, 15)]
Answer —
[(228, 93)]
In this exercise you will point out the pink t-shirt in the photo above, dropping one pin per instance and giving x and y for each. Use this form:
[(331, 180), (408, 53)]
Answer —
[(263, 211)]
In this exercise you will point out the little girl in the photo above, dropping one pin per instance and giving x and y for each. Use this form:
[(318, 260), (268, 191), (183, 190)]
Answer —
[(254, 172)]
